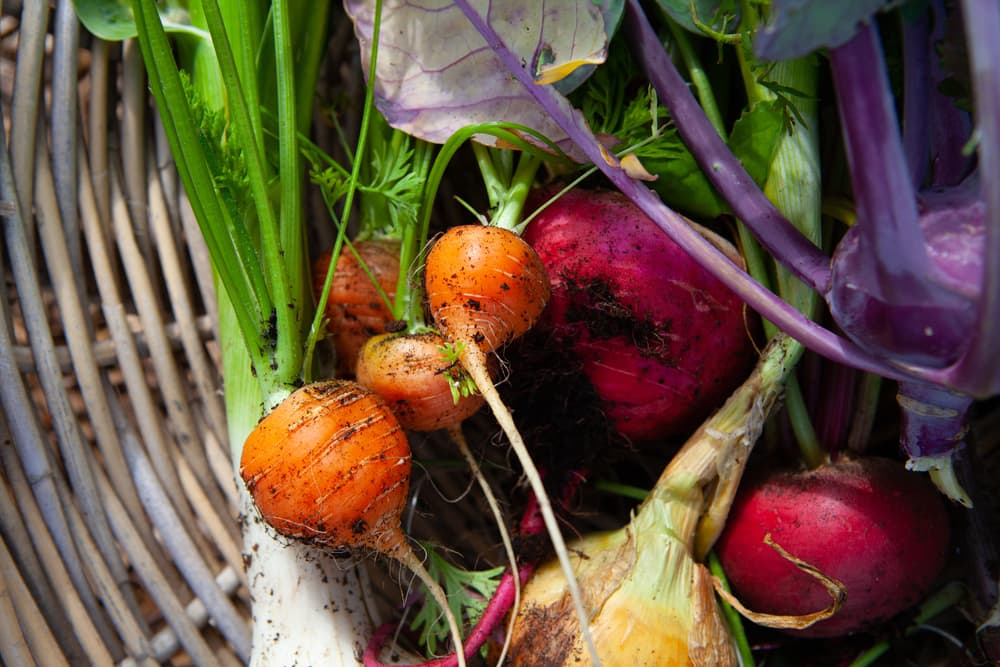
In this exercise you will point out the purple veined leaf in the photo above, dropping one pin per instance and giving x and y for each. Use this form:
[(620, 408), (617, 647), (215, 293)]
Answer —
[(757, 297), (435, 75), (611, 11)]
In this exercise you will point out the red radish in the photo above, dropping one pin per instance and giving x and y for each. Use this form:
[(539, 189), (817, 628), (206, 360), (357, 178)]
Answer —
[(869, 523), (357, 307), (425, 387), (330, 465), (662, 341)]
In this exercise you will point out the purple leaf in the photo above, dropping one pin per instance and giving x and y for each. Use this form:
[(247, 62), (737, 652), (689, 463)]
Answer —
[(763, 301), (436, 76)]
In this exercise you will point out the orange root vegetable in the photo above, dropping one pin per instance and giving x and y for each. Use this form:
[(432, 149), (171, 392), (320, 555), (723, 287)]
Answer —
[(486, 286), (330, 466), (356, 309), (418, 379)]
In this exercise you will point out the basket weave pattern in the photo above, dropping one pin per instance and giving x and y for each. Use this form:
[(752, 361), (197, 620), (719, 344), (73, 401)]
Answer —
[(119, 534)]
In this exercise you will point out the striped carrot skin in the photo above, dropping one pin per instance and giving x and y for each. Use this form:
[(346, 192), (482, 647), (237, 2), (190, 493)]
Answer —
[(330, 465), (355, 309)]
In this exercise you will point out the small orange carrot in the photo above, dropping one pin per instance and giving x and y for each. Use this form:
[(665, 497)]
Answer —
[(425, 386), (484, 285), (330, 465), (356, 309)]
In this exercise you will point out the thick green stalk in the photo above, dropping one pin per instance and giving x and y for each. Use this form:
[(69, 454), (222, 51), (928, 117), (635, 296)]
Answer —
[(291, 231), (794, 185), (287, 342), (235, 268)]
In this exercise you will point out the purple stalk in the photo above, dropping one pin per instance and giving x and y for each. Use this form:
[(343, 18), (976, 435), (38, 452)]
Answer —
[(935, 420), (889, 226), (979, 369), (721, 167), (756, 296), (916, 94)]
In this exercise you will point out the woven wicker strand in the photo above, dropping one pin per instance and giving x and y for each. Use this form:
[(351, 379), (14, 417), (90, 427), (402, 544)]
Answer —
[(119, 539)]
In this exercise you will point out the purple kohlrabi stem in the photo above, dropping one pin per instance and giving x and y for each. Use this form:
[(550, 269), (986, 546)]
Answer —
[(721, 167), (935, 420), (916, 94), (888, 221), (979, 368), (766, 303)]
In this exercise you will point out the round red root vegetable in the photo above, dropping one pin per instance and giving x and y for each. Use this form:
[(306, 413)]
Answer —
[(662, 341), (869, 523)]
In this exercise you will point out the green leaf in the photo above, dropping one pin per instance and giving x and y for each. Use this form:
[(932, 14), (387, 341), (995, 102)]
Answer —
[(113, 20), (681, 183), (468, 593), (719, 15), (754, 138)]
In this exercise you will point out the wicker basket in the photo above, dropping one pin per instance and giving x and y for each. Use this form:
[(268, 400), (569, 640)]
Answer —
[(120, 540), (119, 525)]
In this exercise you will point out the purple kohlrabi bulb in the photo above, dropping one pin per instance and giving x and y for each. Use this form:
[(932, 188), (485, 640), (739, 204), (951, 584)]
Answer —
[(925, 323)]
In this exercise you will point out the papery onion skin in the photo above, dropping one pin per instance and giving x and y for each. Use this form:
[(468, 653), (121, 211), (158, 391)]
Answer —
[(649, 602)]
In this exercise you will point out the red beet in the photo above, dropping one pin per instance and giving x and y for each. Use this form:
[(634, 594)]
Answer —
[(662, 341), (880, 530)]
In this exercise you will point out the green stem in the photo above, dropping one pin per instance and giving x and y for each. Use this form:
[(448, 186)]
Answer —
[(810, 449), (944, 599), (510, 213), (408, 305), (733, 618), (698, 77), (866, 407), (238, 272), (291, 238), (287, 348)]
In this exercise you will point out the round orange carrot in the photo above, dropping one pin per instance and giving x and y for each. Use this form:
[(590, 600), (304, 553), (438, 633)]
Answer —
[(330, 465), (425, 386), (355, 309), (484, 285)]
